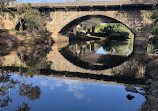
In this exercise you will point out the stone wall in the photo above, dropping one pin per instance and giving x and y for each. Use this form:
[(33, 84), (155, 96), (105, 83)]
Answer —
[(136, 20), (133, 67)]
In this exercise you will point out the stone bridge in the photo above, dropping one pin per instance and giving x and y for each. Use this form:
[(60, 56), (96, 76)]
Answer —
[(66, 15)]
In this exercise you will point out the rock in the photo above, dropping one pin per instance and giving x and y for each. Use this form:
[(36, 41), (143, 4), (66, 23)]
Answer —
[(152, 99), (148, 82), (155, 93), (131, 88), (130, 97), (143, 94), (155, 108), (154, 84)]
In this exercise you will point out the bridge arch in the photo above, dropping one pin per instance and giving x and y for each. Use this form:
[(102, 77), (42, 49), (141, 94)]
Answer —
[(113, 60), (102, 18), (63, 20)]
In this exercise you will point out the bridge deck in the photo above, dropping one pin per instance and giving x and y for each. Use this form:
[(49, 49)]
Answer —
[(90, 3)]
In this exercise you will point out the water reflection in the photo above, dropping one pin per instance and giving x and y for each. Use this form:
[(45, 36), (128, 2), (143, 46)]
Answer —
[(83, 48), (98, 55), (11, 87), (32, 77), (47, 93)]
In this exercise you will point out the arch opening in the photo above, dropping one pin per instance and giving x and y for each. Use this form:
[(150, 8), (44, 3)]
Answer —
[(97, 42), (17, 27), (89, 19)]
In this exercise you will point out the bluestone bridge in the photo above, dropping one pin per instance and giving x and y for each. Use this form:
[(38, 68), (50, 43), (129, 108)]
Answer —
[(65, 15)]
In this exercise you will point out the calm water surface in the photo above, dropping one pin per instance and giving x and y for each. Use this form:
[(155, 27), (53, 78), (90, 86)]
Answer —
[(52, 94), (32, 90), (98, 55)]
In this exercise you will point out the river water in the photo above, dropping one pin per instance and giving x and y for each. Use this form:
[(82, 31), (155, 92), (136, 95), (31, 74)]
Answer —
[(44, 93), (31, 80)]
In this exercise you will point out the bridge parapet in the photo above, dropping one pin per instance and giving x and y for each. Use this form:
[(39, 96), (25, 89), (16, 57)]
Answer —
[(93, 3)]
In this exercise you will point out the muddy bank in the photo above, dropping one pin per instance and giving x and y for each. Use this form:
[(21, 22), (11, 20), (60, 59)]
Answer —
[(151, 103)]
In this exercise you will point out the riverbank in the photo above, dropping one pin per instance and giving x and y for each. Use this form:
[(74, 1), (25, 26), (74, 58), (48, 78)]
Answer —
[(11, 40), (26, 37), (151, 103)]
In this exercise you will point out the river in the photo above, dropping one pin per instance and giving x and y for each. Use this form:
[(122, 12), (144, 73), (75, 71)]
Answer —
[(78, 76)]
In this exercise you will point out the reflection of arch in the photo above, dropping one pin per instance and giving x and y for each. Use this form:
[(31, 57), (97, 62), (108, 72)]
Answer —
[(103, 18), (106, 65)]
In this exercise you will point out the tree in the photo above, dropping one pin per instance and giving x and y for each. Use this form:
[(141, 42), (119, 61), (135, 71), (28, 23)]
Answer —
[(30, 18), (154, 16), (19, 13)]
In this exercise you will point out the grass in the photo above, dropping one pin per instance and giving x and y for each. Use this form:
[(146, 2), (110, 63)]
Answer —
[(12, 30), (7, 30)]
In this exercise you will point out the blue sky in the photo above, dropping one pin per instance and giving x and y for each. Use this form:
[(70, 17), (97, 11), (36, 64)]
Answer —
[(33, 1)]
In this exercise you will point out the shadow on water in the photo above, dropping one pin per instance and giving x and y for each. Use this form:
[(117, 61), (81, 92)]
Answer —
[(77, 75), (33, 62)]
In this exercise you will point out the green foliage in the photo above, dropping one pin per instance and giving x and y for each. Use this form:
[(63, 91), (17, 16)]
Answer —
[(154, 30), (116, 29), (6, 30), (154, 16), (108, 29), (32, 18)]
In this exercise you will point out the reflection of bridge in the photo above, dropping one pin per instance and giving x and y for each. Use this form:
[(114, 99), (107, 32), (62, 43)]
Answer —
[(78, 76), (65, 16), (84, 50), (64, 60)]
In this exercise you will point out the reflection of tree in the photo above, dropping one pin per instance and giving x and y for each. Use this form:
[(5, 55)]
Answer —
[(5, 101), (23, 107), (6, 84), (32, 92), (111, 47), (34, 56), (28, 90), (118, 48)]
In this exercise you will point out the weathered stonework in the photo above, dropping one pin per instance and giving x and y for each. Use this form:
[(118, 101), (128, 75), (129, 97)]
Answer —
[(61, 20), (135, 20)]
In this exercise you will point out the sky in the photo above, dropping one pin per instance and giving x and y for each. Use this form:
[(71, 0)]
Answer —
[(44, 1)]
